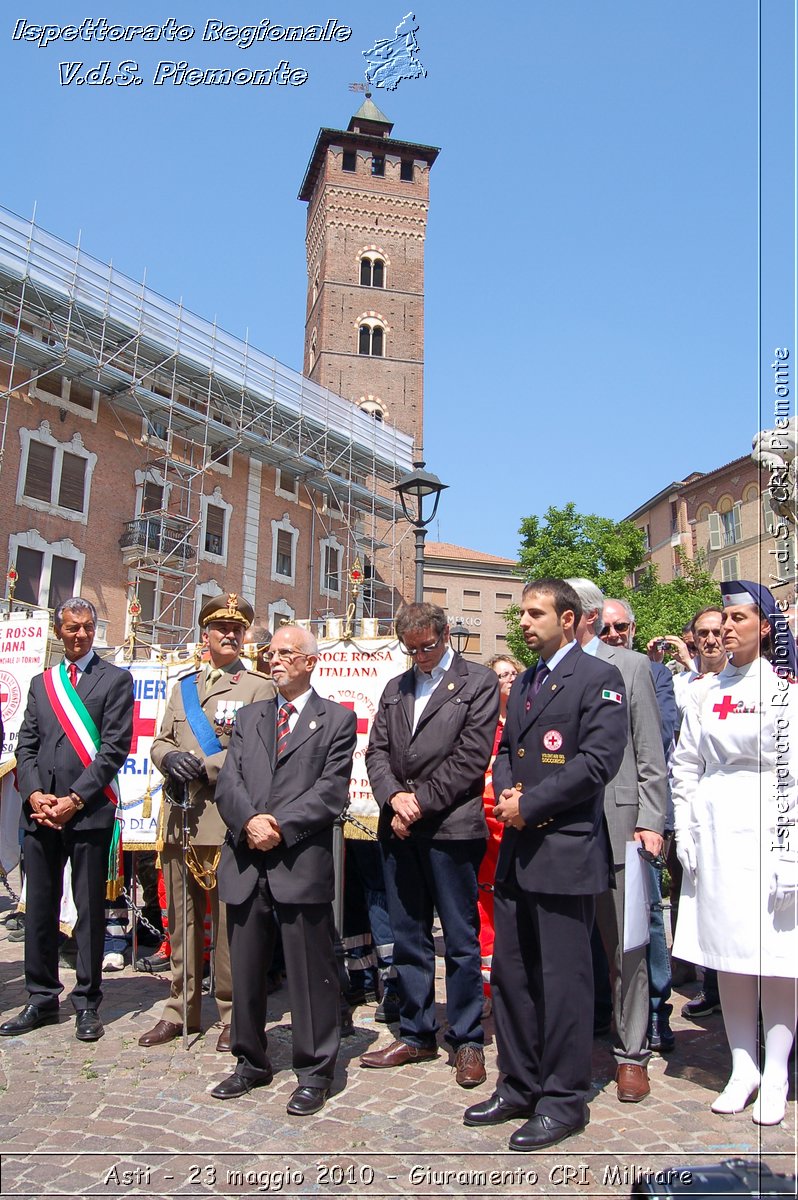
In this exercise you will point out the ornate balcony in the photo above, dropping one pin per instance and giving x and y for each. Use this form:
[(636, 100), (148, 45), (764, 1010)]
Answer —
[(156, 538)]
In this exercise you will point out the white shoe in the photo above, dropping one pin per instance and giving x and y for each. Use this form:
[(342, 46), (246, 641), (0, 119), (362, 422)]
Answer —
[(114, 961), (771, 1104), (735, 1095)]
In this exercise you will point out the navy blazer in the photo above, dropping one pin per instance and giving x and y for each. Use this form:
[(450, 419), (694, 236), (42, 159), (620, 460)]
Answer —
[(46, 761), (443, 761), (304, 790), (561, 752)]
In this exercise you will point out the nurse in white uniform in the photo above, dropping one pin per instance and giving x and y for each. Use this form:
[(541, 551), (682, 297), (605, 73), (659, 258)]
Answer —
[(734, 796)]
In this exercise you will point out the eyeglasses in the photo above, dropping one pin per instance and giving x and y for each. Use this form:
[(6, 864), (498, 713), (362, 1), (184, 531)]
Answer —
[(283, 656), (421, 649), (506, 674), (618, 626)]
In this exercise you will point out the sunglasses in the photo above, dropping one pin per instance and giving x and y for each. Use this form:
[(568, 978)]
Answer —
[(421, 649), (618, 626)]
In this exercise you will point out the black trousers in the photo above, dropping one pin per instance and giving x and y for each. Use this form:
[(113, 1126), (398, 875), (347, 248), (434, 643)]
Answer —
[(308, 934), (46, 853), (542, 984)]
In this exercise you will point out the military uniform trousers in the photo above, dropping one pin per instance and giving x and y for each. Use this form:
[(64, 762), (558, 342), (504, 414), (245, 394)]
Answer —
[(171, 861)]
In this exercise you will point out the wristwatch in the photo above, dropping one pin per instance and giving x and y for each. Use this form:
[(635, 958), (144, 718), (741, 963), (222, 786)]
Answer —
[(76, 800)]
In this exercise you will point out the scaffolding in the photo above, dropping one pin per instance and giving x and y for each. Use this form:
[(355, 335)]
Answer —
[(203, 396)]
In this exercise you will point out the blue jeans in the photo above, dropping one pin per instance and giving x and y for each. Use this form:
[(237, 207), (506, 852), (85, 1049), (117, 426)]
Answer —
[(657, 957), (422, 876)]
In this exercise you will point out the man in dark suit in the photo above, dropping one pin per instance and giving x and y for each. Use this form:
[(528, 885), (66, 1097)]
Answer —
[(429, 747), (285, 781), (563, 740), (75, 736), (635, 804)]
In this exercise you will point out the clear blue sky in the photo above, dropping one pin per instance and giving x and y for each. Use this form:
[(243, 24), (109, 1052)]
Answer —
[(593, 244)]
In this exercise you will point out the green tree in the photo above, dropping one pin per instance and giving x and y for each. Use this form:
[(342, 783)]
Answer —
[(568, 543), (662, 608)]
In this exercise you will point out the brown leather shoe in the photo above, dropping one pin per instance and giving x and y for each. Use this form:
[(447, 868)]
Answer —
[(398, 1054), (223, 1043), (160, 1034), (469, 1065), (632, 1081)]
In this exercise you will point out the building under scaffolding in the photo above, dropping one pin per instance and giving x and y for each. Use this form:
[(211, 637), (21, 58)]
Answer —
[(148, 456)]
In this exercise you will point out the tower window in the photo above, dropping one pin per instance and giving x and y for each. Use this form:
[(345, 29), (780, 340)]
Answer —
[(349, 161), (372, 272), (406, 170), (370, 340), (378, 164), (373, 406)]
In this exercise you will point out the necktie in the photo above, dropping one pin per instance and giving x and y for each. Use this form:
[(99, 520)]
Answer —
[(72, 672), (214, 674), (283, 728), (542, 673)]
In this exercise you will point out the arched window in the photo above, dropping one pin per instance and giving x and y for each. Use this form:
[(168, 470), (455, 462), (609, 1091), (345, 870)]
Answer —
[(371, 338), (373, 406), (372, 271)]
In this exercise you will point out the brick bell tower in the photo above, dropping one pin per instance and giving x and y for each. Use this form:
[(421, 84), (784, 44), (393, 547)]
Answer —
[(368, 196)]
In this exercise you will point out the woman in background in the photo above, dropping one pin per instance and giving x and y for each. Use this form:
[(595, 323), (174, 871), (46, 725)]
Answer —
[(507, 669), (734, 795)]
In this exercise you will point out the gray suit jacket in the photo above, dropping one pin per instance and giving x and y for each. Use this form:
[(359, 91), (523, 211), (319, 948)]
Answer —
[(637, 797), (305, 790)]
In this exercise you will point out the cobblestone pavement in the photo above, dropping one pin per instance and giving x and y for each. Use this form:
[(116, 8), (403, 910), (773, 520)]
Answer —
[(111, 1119)]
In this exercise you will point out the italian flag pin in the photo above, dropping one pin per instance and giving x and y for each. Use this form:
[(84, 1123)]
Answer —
[(616, 697)]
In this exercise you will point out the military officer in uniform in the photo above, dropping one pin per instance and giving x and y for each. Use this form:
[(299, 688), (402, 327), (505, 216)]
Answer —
[(190, 749)]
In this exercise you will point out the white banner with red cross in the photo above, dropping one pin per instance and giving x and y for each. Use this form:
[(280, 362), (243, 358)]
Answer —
[(140, 785), (23, 645), (354, 673)]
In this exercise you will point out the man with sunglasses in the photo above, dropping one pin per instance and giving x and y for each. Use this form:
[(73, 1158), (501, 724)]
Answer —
[(635, 805), (190, 750), (429, 748), (285, 781)]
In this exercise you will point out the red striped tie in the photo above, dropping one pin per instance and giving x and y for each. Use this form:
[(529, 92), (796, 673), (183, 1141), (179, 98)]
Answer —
[(72, 672), (283, 728)]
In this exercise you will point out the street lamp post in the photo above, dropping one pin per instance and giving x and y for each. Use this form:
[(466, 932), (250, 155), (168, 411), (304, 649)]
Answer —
[(417, 491), (459, 635)]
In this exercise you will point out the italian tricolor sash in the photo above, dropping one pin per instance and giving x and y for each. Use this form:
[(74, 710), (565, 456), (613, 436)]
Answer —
[(76, 721), (84, 737)]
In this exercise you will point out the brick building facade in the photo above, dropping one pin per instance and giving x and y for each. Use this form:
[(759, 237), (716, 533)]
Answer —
[(475, 588), (149, 456), (723, 516)]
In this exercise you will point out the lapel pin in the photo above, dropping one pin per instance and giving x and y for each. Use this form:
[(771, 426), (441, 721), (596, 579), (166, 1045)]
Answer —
[(451, 687), (312, 725)]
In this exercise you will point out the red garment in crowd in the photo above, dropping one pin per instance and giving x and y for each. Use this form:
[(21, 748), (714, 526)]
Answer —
[(487, 872)]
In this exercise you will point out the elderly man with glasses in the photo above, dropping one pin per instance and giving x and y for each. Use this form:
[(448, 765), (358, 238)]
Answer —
[(429, 748), (285, 781)]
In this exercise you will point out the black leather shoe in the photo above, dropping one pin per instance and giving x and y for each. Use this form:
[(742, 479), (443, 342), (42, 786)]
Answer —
[(494, 1111), (238, 1085), (88, 1026), (305, 1101), (30, 1018), (540, 1131)]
